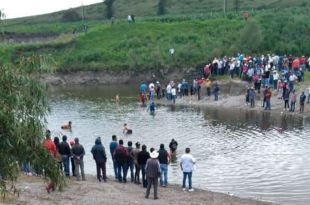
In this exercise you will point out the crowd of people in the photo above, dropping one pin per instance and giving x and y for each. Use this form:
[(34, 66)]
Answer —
[(177, 89), (271, 73), (148, 168)]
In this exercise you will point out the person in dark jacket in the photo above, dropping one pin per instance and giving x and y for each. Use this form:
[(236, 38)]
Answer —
[(164, 159), (152, 172), (100, 157), (65, 153), (286, 98), (173, 145), (130, 162), (302, 100), (143, 156), (216, 90), (113, 146), (78, 153), (120, 155)]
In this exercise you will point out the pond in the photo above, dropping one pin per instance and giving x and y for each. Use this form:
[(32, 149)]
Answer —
[(249, 154)]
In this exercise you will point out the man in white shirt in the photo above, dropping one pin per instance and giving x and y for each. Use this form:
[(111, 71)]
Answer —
[(169, 96), (173, 94), (187, 166), (275, 76)]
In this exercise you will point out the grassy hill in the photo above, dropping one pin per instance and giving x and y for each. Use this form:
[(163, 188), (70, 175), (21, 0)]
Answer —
[(144, 8), (196, 33)]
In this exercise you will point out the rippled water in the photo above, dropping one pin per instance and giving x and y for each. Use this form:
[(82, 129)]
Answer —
[(249, 154)]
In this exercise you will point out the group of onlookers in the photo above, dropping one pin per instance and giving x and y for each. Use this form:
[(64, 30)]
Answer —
[(152, 165)]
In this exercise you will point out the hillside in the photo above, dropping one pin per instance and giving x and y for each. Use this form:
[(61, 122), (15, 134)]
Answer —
[(196, 37), (144, 8)]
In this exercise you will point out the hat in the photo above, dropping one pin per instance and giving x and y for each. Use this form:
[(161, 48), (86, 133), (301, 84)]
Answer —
[(154, 154)]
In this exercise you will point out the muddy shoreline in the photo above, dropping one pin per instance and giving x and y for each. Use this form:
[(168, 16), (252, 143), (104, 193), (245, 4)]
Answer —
[(93, 192), (109, 77)]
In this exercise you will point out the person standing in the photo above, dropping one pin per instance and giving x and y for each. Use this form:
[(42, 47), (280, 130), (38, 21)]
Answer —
[(100, 158), (113, 146), (130, 162), (120, 155), (216, 90), (286, 98), (173, 145), (187, 166), (143, 156), (137, 167), (252, 96), (173, 94), (71, 158), (302, 100), (164, 159), (152, 172), (268, 99), (293, 101), (78, 153), (65, 153), (50, 146)]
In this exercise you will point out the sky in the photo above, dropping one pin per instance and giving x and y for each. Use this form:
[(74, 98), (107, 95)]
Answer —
[(21, 8)]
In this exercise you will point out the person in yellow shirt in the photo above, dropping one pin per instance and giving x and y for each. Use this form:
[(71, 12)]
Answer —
[(208, 87)]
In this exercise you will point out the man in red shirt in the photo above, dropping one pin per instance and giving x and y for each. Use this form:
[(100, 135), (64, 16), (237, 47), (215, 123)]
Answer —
[(268, 98), (51, 147)]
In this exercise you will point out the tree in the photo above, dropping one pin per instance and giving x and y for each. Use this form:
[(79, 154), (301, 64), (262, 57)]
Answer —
[(162, 7), (237, 5), (250, 38), (109, 8), (23, 107)]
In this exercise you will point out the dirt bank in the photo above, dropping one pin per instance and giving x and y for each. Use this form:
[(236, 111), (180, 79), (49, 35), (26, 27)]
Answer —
[(92, 192), (108, 77)]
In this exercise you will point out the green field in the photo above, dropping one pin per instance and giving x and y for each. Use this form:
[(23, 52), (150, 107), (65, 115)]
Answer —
[(197, 29)]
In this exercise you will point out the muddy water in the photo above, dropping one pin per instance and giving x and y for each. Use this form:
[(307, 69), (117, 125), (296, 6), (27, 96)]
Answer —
[(248, 154)]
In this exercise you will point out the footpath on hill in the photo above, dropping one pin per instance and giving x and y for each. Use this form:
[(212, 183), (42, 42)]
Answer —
[(92, 192)]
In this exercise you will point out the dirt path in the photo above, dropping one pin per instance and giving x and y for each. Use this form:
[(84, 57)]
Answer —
[(91, 192)]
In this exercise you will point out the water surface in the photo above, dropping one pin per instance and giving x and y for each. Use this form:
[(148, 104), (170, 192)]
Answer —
[(248, 154)]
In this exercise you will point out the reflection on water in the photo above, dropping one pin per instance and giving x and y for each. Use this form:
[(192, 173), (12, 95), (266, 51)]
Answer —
[(250, 154)]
